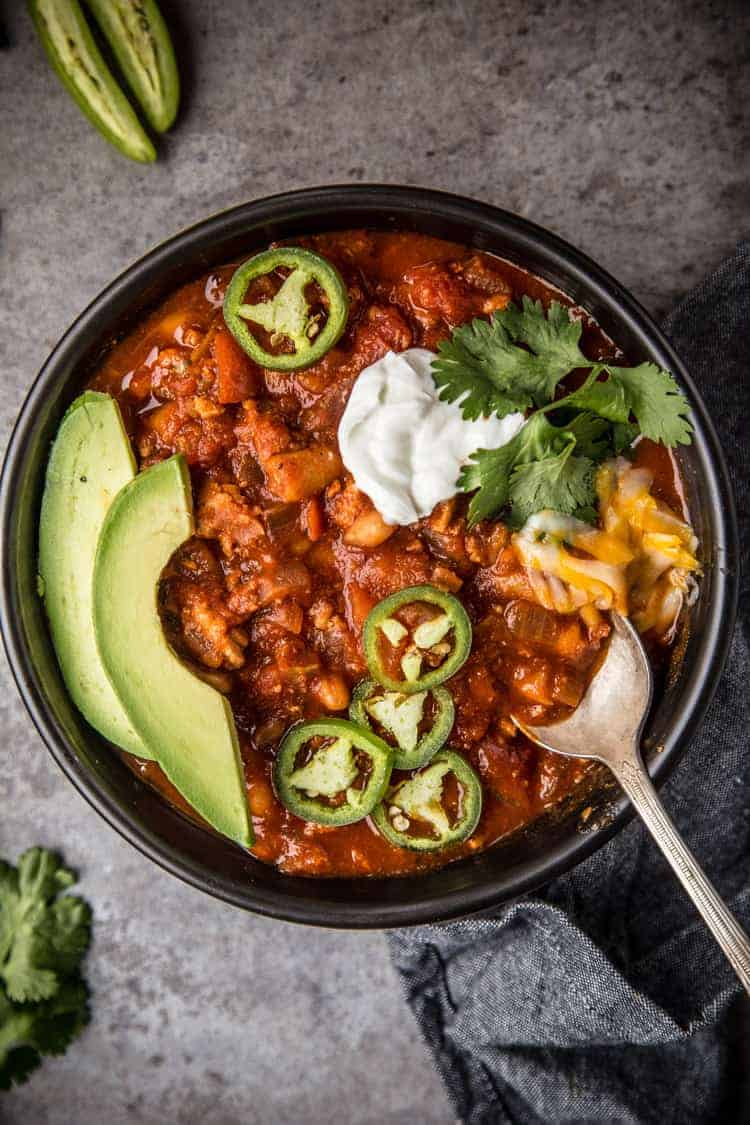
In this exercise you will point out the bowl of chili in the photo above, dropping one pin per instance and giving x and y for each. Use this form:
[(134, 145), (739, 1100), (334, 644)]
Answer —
[(546, 846)]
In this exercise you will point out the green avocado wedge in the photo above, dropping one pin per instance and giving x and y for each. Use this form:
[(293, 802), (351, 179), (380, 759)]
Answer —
[(186, 723), (71, 49), (91, 460), (139, 40)]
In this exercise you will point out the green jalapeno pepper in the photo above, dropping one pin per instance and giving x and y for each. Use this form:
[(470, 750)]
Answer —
[(427, 652), (399, 718), (139, 39), (414, 813), (332, 772), (72, 50), (289, 315)]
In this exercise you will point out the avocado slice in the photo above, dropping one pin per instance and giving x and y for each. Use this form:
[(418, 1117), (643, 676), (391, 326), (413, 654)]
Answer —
[(187, 724), (91, 460)]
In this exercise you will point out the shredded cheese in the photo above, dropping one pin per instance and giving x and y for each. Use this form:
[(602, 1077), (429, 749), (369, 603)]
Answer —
[(641, 562)]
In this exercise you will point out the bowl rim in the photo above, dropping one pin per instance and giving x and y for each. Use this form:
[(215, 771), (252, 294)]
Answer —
[(716, 637)]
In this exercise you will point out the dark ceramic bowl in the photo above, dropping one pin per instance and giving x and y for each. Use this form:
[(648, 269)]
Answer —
[(525, 860)]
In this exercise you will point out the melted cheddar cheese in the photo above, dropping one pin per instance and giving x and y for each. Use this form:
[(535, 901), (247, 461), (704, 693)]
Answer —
[(640, 562)]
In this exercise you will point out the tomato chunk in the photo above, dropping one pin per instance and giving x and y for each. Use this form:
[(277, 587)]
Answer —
[(237, 377)]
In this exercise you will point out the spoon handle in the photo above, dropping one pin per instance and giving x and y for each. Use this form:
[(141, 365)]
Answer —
[(636, 782)]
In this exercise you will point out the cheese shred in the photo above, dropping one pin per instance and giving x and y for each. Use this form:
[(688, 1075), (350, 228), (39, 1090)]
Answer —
[(641, 562)]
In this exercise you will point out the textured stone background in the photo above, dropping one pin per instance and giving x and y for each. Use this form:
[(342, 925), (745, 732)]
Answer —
[(618, 125)]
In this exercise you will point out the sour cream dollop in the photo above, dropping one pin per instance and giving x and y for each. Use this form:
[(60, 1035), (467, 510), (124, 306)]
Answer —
[(403, 446)]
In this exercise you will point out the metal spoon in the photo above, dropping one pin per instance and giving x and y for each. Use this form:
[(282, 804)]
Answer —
[(606, 726)]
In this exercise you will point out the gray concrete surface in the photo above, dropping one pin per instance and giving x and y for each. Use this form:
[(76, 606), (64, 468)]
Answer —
[(620, 126)]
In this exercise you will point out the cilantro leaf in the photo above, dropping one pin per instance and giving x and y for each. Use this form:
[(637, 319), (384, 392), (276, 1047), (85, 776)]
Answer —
[(516, 360), (647, 392), (43, 938), (486, 372), (536, 469), (59, 1020), (29, 1031), (623, 435), (657, 403), (487, 475), (563, 482), (593, 435), (554, 337), (479, 368)]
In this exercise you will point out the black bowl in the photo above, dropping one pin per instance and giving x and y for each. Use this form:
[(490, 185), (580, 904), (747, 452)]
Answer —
[(218, 867)]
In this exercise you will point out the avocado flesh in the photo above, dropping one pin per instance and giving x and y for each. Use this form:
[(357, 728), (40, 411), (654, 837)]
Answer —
[(187, 724), (91, 460)]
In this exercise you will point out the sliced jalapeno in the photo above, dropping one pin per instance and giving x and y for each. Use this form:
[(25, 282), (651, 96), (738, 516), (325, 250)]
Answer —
[(291, 317), (331, 771), (415, 725), (416, 639), (421, 814)]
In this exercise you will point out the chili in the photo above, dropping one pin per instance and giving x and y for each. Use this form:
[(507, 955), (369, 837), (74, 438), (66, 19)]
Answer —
[(420, 801), (268, 604), (442, 641), (323, 787), (289, 314), (402, 717)]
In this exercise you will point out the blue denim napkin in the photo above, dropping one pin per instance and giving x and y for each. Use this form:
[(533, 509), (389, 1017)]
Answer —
[(604, 998)]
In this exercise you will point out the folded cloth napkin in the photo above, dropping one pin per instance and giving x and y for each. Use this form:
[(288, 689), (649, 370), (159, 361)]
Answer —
[(604, 997)]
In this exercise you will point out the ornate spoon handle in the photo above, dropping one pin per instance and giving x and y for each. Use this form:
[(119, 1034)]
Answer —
[(634, 779)]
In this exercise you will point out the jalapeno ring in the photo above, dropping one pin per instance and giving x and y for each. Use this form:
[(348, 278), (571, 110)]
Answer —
[(419, 797), (383, 626), (400, 715), (288, 313), (331, 771)]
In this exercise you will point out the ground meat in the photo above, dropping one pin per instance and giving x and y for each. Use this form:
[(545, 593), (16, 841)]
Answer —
[(223, 513), (262, 429), (344, 503), (184, 427), (479, 275), (193, 601)]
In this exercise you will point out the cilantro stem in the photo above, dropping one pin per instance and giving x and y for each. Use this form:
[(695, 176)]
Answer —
[(592, 376)]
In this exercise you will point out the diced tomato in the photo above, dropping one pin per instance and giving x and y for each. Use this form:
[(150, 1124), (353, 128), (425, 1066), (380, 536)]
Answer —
[(237, 377)]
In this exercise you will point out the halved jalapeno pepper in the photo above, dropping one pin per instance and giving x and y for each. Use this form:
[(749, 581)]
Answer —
[(80, 66), (416, 639), (309, 322), (423, 814), (415, 725), (332, 772)]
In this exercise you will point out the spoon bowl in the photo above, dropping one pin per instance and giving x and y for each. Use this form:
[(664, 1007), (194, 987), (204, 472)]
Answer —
[(610, 717)]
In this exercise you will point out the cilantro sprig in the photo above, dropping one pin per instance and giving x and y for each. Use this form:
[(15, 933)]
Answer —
[(646, 392), (44, 935), (514, 362), (543, 466), (489, 373)]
